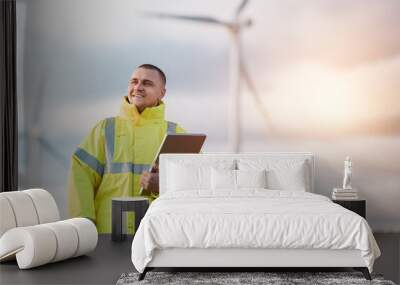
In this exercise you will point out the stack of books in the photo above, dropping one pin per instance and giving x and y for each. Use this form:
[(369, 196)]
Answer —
[(344, 194)]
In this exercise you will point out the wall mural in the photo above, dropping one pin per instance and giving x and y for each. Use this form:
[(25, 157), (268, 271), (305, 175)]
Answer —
[(320, 77)]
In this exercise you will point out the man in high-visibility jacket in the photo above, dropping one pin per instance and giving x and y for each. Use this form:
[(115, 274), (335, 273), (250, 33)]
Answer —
[(112, 161)]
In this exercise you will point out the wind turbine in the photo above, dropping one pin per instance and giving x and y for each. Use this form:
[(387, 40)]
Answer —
[(238, 70), (34, 135)]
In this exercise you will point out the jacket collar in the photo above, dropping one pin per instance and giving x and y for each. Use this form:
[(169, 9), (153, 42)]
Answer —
[(129, 111)]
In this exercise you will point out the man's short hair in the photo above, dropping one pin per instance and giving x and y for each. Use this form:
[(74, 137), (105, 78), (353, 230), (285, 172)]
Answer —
[(153, 67)]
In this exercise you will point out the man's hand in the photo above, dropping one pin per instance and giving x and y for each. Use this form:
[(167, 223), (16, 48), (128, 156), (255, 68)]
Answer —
[(148, 178), (149, 181)]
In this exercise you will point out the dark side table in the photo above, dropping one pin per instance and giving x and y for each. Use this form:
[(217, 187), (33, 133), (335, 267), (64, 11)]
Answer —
[(120, 205), (357, 206)]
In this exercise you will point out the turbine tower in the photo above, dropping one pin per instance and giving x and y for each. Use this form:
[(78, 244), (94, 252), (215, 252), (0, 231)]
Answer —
[(238, 71), (34, 135)]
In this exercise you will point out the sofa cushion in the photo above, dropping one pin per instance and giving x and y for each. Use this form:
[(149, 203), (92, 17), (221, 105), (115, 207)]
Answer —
[(40, 244)]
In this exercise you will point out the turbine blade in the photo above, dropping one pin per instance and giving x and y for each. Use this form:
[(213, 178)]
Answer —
[(53, 151), (241, 7), (256, 96), (203, 19), (38, 103)]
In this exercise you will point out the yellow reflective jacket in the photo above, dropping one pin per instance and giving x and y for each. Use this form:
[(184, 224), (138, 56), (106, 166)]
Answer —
[(110, 160)]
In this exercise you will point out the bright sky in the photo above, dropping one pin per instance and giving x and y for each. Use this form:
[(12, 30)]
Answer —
[(318, 66)]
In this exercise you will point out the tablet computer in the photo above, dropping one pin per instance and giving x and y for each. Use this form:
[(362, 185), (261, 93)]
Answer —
[(178, 143)]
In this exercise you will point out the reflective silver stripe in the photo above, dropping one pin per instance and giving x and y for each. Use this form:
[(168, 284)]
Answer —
[(139, 168), (90, 160), (124, 167), (171, 129), (110, 130)]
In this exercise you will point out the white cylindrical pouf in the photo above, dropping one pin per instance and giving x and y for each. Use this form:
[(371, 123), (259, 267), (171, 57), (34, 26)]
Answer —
[(45, 205), (7, 218), (67, 239), (34, 246), (23, 207), (87, 234), (40, 247)]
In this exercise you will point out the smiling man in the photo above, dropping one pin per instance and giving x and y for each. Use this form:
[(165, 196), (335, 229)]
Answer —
[(112, 161)]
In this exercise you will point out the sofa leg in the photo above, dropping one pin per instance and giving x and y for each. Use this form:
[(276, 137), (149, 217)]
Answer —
[(364, 271), (143, 274)]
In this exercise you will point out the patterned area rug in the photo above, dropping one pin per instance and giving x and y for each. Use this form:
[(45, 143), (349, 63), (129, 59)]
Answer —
[(270, 278)]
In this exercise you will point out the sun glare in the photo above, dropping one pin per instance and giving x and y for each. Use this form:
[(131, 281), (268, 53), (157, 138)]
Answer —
[(311, 96)]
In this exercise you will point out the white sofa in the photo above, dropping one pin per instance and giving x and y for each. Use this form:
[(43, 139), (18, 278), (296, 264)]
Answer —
[(31, 231)]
